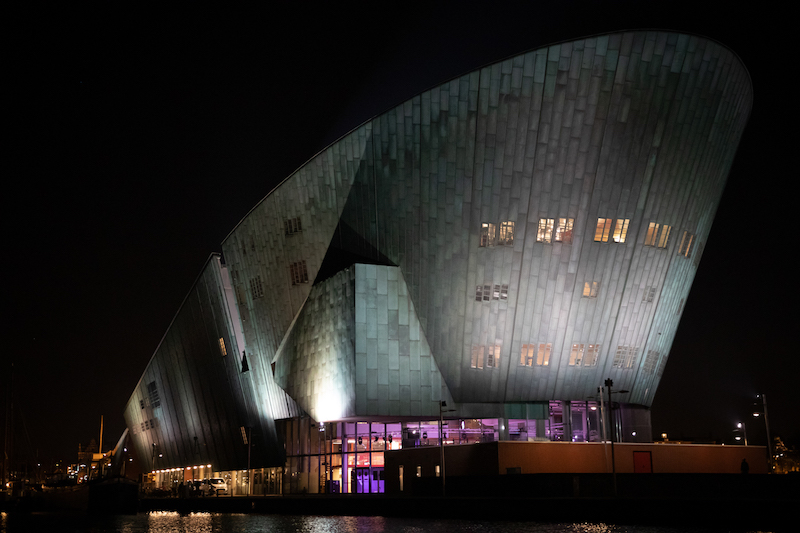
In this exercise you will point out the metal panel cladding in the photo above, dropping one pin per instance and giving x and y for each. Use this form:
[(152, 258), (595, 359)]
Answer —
[(547, 213), (193, 399)]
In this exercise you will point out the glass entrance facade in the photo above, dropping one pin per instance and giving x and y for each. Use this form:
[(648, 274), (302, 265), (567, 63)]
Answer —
[(348, 456)]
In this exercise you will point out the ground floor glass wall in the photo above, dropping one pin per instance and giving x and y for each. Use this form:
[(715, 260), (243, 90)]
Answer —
[(347, 457)]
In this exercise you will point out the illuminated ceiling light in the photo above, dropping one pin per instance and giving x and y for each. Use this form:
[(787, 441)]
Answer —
[(208, 466)]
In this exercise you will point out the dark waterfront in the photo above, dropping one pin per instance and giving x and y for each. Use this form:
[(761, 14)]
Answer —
[(170, 521)]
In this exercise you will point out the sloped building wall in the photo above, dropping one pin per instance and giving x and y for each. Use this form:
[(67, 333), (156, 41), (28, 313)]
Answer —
[(193, 398), (637, 128)]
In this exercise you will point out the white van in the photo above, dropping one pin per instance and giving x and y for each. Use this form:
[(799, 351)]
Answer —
[(214, 486)]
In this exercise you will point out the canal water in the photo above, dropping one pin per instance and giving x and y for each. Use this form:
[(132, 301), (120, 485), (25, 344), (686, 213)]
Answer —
[(169, 522)]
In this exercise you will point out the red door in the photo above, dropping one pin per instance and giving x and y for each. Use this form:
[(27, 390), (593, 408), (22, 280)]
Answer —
[(642, 463)]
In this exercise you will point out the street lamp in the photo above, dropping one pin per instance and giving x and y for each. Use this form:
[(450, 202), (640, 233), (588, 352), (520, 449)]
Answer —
[(442, 410), (742, 427), (756, 414), (608, 383)]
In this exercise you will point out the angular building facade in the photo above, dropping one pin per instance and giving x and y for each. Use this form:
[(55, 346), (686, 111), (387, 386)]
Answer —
[(503, 242)]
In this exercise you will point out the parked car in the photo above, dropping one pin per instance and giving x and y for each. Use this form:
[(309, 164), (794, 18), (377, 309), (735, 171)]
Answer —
[(214, 486)]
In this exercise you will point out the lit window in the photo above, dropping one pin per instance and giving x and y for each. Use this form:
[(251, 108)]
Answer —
[(477, 357), (292, 226), (506, 236), (487, 234), (545, 231), (590, 289), (652, 233), (625, 357), (493, 356), (256, 289), (576, 355), (298, 272), (621, 230), (528, 352), (603, 229), (564, 230), (663, 239), (685, 249), (504, 292), (543, 357), (592, 353), (222, 349), (496, 293), (533, 354)]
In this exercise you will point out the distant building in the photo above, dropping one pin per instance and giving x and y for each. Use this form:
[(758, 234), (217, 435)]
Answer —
[(503, 242)]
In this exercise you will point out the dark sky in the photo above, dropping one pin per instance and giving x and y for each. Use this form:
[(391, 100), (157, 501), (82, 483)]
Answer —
[(140, 138)]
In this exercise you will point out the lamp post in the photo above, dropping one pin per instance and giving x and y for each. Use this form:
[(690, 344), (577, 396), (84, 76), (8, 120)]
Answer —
[(442, 410), (756, 414), (741, 426), (608, 383)]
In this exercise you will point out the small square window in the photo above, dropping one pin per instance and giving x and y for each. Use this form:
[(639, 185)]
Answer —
[(487, 234), (506, 236), (493, 356), (652, 233), (590, 289), (477, 357), (298, 272), (292, 226), (649, 294), (621, 230), (603, 229), (543, 357), (685, 248), (545, 231), (576, 355), (256, 288), (564, 230), (663, 239), (592, 354)]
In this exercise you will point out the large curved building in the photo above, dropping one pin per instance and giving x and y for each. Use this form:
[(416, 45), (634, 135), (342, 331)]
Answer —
[(503, 242)]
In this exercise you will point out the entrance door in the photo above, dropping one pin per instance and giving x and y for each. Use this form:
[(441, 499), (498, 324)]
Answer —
[(368, 481), (642, 463), (362, 480), (377, 480)]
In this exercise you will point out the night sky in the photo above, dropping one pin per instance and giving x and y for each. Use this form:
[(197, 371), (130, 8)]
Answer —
[(138, 140)]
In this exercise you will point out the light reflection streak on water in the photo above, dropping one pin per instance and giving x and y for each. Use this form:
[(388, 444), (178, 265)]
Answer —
[(162, 522)]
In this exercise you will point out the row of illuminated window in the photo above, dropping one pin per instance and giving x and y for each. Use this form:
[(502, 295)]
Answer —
[(491, 237), (586, 355), (549, 230), (484, 293), (579, 355)]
